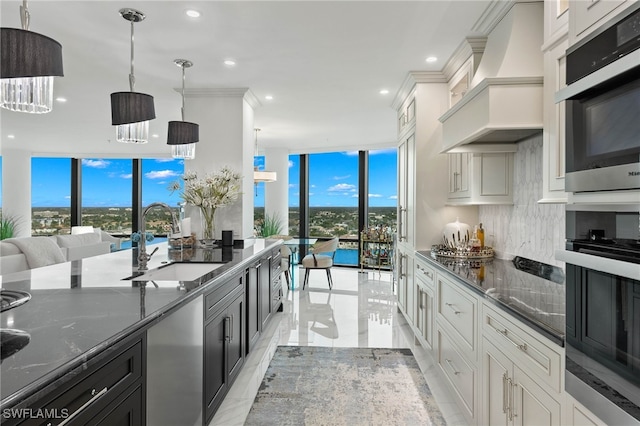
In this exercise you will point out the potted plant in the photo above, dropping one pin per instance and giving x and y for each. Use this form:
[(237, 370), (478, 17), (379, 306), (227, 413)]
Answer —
[(8, 225)]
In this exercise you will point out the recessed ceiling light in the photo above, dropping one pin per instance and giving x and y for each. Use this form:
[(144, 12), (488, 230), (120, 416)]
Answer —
[(432, 59), (230, 62), (268, 97), (61, 99), (155, 135), (192, 13), (11, 136), (384, 92)]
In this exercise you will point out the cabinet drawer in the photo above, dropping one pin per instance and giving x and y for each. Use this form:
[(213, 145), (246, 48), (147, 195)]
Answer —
[(461, 375), (218, 299), (459, 311), (425, 273), (98, 390), (531, 354)]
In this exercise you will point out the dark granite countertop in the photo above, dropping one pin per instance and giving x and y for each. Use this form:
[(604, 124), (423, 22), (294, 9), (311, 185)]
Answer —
[(538, 302), (78, 309)]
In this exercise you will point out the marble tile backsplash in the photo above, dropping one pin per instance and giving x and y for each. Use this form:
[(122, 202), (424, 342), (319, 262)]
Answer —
[(526, 228)]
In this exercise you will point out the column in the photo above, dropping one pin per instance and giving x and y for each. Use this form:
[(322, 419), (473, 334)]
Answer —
[(16, 188), (225, 117), (276, 194)]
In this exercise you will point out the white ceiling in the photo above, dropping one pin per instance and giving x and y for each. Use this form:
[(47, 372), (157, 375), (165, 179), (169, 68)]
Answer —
[(324, 63)]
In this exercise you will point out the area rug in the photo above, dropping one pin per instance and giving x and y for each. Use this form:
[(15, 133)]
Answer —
[(343, 386)]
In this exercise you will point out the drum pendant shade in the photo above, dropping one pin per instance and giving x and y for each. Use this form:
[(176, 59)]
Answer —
[(131, 107), (182, 132), (29, 54)]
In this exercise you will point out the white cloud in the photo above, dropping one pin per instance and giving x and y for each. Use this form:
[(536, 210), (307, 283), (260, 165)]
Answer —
[(292, 185), (291, 164), (393, 197), (383, 151), (341, 177), (375, 195), (161, 174), (343, 187), (353, 196), (126, 176), (68, 197), (97, 164), (164, 160)]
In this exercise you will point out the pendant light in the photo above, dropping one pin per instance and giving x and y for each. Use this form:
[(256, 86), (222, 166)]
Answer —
[(131, 111), (182, 135), (29, 63), (262, 175)]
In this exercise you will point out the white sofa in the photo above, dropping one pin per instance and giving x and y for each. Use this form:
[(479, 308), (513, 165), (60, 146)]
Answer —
[(42, 251)]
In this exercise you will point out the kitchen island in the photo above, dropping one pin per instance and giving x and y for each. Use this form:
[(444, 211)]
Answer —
[(92, 310)]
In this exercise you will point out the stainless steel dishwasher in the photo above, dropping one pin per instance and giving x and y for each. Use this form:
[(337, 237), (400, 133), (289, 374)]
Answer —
[(175, 367)]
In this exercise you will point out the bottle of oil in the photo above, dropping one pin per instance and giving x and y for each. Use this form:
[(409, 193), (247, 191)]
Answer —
[(480, 234)]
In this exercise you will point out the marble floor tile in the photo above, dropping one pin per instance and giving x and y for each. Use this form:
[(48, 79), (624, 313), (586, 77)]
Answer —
[(360, 311)]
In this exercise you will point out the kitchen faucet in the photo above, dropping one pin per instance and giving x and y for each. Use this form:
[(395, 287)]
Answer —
[(143, 257)]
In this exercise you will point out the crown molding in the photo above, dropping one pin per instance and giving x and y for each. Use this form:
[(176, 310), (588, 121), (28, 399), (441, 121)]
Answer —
[(410, 81), (494, 14), (225, 92), (469, 46)]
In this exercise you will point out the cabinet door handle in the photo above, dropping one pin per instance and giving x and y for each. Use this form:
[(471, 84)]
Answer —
[(512, 413), (455, 181), (231, 330), (453, 308), (227, 329), (505, 394), (94, 398), (453, 368), (505, 333)]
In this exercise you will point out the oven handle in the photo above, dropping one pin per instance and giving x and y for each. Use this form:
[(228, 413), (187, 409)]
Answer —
[(598, 263)]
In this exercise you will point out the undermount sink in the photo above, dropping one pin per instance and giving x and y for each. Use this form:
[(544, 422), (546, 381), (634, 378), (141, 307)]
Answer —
[(178, 272)]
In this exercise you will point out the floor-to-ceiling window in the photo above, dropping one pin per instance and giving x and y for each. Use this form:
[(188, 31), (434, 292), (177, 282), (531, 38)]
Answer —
[(383, 188), (106, 194), (333, 201), (332, 188), (50, 196), (258, 197), (294, 195), (157, 174)]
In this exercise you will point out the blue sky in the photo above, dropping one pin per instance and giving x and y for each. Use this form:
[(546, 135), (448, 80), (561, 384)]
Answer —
[(107, 182)]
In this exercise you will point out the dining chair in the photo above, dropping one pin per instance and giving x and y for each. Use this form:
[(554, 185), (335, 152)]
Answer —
[(320, 257), (285, 258)]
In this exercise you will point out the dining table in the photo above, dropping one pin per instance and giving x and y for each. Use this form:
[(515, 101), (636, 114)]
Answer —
[(295, 245)]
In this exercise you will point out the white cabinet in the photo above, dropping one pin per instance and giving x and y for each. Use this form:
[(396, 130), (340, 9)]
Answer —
[(424, 277), (511, 396), (406, 190), (553, 135), (457, 342), (459, 175), (522, 374), (480, 178), (406, 291), (585, 16)]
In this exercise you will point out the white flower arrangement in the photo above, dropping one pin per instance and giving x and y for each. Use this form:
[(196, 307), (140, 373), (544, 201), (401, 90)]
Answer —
[(214, 190)]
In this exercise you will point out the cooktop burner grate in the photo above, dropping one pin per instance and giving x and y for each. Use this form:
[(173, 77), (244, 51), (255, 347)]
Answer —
[(12, 298)]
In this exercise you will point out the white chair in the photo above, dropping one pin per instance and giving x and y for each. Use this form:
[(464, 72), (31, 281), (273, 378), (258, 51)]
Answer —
[(285, 257), (321, 257)]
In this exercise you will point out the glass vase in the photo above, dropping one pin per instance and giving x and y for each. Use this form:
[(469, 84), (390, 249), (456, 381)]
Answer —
[(207, 226)]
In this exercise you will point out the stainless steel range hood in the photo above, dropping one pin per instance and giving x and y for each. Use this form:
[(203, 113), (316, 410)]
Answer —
[(504, 102)]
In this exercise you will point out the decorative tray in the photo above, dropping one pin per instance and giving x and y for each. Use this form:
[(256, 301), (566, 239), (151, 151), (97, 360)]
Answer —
[(485, 252)]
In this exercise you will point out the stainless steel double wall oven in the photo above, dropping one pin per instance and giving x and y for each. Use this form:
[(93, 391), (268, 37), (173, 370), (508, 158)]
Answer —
[(603, 236)]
